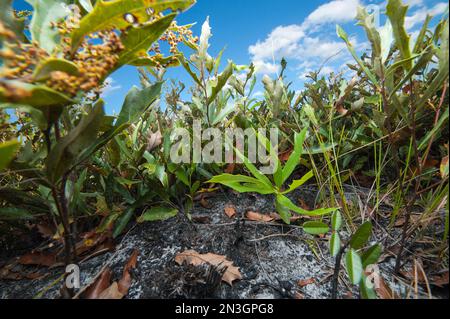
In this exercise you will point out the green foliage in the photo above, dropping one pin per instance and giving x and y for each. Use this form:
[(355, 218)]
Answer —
[(7, 152), (122, 14)]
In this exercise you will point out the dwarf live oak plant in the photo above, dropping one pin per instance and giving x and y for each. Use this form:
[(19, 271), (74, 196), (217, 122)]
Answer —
[(261, 184), (53, 71), (357, 256)]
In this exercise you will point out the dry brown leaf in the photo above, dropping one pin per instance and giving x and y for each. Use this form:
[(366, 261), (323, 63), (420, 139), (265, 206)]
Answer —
[(38, 259), (258, 217), (125, 282), (230, 211), (284, 157), (201, 219), (45, 230), (204, 203), (401, 221), (100, 285), (191, 257), (306, 282), (230, 168), (385, 291), (112, 292)]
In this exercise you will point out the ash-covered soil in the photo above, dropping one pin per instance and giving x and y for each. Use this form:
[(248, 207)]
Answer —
[(275, 260)]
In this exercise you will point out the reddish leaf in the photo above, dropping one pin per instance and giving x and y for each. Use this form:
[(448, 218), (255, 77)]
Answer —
[(258, 217), (230, 211), (125, 283), (38, 259), (306, 282), (100, 285)]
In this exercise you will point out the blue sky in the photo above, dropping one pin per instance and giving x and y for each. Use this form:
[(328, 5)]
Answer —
[(264, 31)]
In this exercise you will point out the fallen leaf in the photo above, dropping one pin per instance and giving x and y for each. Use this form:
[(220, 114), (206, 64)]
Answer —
[(38, 259), (230, 211), (45, 230), (230, 168), (306, 282), (284, 157), (401, 221), (125, 282), (201, 219), (191, 257), (100, 285), (258, 217), (204, 203), (384, 291), (112, 292)]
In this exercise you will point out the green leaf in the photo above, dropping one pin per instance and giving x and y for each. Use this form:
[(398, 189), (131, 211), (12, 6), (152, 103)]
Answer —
[(396, 13), (7, 152), (186, 66), (371, 256), (45, 13), (283, 211), (368, 22), (418, 47), (121, 14), (158, 214), (255, 172), (362, 235), (46, 67), (295, 157), (37, 96), (354, 266), (335, 244), (64, 155), (287, 203), (122, 222), (11, 213), (315, 228), (138, 40), (297, 183), (136, 103), (221, 82), (366, 292), (343, 35), (242, 184), (336, 221)]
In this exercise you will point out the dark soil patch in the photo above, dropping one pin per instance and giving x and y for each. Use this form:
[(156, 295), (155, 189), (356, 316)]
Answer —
[(273, 258)]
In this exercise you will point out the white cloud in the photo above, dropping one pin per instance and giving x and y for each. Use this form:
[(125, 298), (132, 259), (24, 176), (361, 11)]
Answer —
[(297, 42), (282, 41), (332, 12), (266, 67), (318, 48), (420, 15)]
